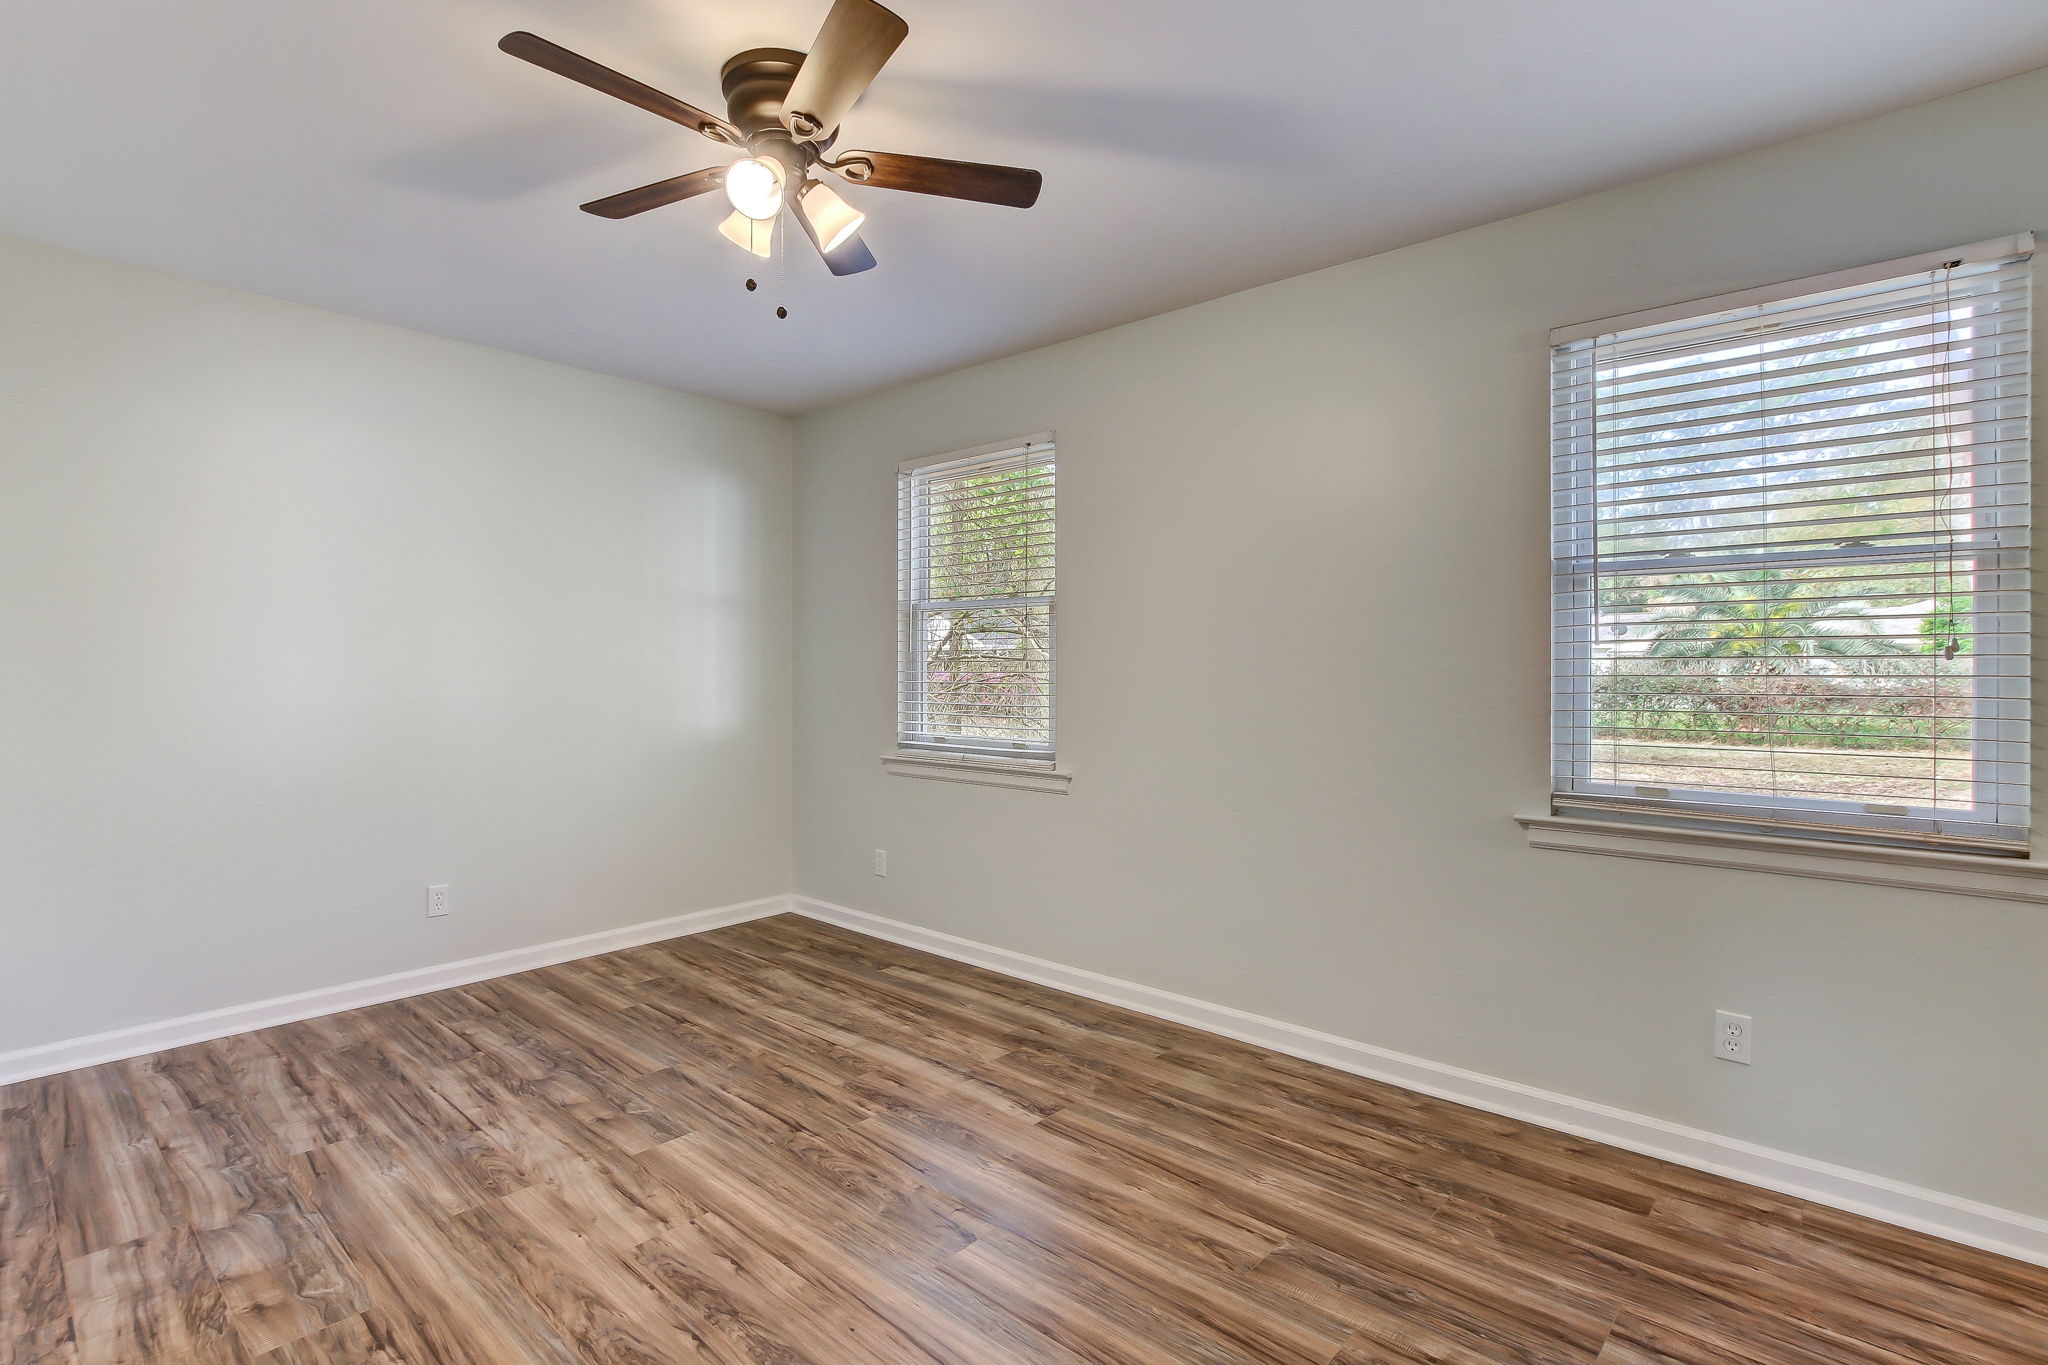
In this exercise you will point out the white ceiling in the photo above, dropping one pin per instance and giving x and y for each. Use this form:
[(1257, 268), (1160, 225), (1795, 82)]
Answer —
[(382, 158)]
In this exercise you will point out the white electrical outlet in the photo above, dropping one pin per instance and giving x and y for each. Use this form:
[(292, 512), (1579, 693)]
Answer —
[(1732, 1036), (881, 862), (437, 901)]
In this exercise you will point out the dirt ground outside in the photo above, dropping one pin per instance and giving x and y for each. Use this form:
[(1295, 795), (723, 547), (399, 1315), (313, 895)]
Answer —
[(1894, 777)]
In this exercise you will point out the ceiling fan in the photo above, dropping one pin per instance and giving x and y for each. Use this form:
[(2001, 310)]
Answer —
[(783, 110)]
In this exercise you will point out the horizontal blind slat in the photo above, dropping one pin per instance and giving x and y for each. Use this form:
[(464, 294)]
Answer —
[(1929, 356), (1576, 461), (1846, 471), (1991, 335)]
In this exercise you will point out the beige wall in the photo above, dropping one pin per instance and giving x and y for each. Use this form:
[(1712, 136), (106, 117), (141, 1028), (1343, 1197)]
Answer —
[(300, 613), (1303, 654)]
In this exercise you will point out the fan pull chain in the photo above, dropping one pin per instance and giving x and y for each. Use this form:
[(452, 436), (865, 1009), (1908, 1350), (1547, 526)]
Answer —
[(777, 235), (781, 266)]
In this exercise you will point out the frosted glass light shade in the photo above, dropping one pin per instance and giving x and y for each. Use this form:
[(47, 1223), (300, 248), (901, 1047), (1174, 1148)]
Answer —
[(831, 219), (753, 234)]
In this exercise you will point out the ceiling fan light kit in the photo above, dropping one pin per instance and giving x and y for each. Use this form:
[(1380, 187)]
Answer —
[(829, 220), (749, 234), (783, 110)]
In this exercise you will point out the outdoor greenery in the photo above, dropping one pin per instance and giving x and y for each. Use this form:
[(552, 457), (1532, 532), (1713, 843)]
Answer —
[(1763, 619), (1775, 657)]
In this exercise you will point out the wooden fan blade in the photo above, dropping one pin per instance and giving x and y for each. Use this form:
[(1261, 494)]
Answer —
[(630, 202), (1007, 185), (850, 49), (560, 60)]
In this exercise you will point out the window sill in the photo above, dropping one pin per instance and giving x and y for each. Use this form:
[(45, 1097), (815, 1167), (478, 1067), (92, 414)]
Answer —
[(1961, 874), (980, 772)]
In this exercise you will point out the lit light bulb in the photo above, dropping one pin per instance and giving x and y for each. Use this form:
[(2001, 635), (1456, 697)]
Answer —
[(754, 185), (829, 219)]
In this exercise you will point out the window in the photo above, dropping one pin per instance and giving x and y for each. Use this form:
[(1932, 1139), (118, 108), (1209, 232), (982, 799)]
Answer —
[(1790, 588), (975, 536)]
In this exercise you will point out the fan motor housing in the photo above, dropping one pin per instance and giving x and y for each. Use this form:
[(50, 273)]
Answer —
[(755, 83)]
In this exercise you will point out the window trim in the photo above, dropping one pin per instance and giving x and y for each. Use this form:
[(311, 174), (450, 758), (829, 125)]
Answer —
[(976, 771), (1687, 816), (1977, 253), (947, 760), (1889, 865)]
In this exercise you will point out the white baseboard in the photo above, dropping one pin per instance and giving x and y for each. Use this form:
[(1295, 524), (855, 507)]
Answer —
[(2004, 1231), (73, 1053)]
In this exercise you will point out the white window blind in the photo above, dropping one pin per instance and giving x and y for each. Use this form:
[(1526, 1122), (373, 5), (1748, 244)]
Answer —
[(1791, 586), (976, 630)]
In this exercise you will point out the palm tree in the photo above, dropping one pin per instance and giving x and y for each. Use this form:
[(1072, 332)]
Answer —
[(1768, 619), (1757, 628)]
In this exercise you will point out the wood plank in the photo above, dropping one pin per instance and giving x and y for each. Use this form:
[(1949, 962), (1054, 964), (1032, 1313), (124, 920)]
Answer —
[(592, 1297), (108, 1181), (149, 1301), (437, 1286), (368, 1338), (35, 1304), (1423, 1296)]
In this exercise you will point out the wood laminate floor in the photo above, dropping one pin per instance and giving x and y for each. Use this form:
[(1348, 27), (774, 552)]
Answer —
[(784, 1144)]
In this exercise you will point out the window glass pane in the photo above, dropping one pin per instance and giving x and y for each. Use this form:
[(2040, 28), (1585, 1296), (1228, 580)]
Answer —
[(988, 533), (986, 674), (1854, 683)]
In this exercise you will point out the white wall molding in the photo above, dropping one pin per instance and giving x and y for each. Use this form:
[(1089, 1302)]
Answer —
[(141, 1039), (2004, 1231), (1961, 874), (979, 772)]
